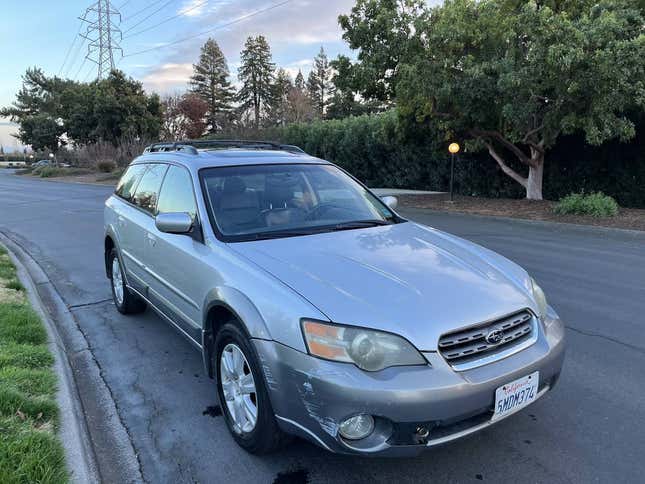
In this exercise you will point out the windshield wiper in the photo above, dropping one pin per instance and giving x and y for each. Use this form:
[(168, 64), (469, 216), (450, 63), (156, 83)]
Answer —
[(280, 234), (360, 224)]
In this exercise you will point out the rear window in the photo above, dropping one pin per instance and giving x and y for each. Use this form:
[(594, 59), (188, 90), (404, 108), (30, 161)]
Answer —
[(147, 192), (128, 182)]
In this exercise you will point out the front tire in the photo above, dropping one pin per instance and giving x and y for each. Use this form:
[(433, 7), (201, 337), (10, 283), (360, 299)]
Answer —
[(125, 300), (242, 393)]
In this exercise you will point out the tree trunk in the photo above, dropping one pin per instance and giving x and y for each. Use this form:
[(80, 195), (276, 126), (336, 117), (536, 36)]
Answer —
[(534, 180)]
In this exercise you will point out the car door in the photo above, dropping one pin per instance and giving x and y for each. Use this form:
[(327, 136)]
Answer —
[(142, 222), (174, 260), (122, 219)]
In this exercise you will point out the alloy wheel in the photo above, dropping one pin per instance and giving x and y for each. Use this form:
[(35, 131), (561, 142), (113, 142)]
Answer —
[(117, 280), (238, 387)]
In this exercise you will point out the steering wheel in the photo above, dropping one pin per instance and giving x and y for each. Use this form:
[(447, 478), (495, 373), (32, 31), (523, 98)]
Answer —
[(321, 208)]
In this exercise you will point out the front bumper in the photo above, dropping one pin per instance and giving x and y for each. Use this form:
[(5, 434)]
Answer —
[(310, 396)]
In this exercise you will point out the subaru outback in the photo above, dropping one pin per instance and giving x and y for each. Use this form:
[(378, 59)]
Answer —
[(318, 310)]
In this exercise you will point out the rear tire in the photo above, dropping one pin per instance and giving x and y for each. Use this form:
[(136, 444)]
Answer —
[(125, 300), (264, 435)]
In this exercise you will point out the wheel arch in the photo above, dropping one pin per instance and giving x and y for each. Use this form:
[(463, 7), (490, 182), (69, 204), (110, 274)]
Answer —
[(109, 245), (224, 304)]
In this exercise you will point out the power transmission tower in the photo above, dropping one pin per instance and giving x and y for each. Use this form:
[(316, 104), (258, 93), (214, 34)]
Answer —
[(101, 34)]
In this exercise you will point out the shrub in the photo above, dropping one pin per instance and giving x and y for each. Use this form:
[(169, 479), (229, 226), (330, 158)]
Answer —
[(48, 171), (106, 166), (596, 204), (377, 150)]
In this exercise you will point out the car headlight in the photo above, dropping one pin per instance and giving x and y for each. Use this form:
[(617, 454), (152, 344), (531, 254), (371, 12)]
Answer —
[(368, 349), (540, 298)]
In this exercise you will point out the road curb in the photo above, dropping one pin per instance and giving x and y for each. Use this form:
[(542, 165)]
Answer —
[(639, 234), (97, 444)]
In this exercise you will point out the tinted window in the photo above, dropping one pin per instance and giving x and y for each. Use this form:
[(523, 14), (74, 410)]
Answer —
[(148, 190), (129, 180), (177, 193)]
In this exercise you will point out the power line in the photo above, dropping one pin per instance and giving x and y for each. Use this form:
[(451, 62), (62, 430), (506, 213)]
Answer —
[(75, 56), (151, 15), (139, 12), (80, 68), (219, 27), (181, 13), (76, 36)]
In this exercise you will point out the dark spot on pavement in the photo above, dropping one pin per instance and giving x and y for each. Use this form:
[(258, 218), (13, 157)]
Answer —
[(196, 375), (212, 411), (533, 417), (181, 372), (479, 477), (299, 476), (527, 442)]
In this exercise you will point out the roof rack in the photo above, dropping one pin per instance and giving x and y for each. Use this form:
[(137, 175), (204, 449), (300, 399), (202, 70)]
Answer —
[(191, 146)]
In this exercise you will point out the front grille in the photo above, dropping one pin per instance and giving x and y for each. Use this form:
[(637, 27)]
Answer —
[(470, 345)]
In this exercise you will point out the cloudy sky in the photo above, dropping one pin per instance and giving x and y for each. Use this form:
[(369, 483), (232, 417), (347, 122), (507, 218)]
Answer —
[(295, 29), (161, 38)]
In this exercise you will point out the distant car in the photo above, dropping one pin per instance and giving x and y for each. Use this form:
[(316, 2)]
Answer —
[(64, 165), (40, 163), (320, 311)]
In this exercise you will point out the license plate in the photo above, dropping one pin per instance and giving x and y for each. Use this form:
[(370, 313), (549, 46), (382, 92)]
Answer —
[(516, 395)]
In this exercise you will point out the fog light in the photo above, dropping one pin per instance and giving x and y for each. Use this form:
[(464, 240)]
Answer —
[(357, 427)]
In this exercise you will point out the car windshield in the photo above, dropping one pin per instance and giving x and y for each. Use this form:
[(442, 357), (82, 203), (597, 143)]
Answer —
[(266, 201)]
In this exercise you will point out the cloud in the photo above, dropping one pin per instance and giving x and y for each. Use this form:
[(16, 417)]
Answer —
[(295, 31), (193, 8), (168, 78)]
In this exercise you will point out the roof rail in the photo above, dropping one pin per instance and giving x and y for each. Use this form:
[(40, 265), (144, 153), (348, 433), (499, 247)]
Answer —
[(164, 147), (191, 146)]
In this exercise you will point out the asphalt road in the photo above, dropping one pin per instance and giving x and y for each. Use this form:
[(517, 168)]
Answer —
[(590, 429)]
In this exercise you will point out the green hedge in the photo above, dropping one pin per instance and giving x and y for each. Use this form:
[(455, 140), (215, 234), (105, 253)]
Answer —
[(374, 149)]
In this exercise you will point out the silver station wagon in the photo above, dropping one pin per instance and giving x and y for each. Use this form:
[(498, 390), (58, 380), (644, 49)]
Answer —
[(318, 310)]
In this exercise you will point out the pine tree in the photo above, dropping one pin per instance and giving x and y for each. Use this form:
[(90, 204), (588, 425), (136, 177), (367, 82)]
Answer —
[(256, 74), (280, 103), (319, 82), (300, 81), (210, 82)]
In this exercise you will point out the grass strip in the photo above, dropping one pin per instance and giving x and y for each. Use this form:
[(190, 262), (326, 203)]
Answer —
[(30, 451)]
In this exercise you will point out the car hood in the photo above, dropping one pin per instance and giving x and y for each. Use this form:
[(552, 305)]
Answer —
[(406, 278)]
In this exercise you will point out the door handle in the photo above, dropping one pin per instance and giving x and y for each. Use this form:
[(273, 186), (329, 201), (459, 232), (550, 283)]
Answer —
[(152, 239), (121, 220)]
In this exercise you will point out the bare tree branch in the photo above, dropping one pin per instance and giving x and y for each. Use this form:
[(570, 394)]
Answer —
[(505, 168)]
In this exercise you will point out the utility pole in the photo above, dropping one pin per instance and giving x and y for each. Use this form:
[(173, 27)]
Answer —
[(100, 33)]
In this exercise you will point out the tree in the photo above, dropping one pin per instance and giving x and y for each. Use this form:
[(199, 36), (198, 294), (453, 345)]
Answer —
[(194, 111), (299, 83), (384, 33), (300, 107), (123, 110), (210, 82), (344, 100), (318, 83), (107, 110), (184, 117), (280, 107), (36, 110), (256, 75), (511, 77)]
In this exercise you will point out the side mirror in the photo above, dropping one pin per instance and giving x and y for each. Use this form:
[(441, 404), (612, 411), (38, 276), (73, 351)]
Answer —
[(174, 223), (390, 201)]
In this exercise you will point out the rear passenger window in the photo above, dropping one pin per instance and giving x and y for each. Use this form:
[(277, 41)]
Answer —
[(177, 193), (128, 182), (147, 192)]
